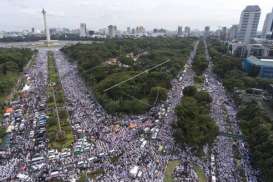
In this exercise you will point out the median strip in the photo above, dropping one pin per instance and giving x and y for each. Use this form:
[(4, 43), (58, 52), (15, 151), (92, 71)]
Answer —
[(59, 130)]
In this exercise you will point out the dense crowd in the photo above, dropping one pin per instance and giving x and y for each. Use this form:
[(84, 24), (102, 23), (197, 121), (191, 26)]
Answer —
[(107, 147), (224, 112)]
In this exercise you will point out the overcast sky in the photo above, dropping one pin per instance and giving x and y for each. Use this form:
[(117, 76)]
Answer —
[(24, 14)]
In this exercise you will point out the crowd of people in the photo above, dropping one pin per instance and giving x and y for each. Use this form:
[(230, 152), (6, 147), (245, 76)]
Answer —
[(223, 111), (110, 148)]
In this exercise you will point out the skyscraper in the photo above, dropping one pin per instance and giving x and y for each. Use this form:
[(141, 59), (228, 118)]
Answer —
[(83, 30), (187, 31), (268, 25), (112, 31), (232, 33), (179, 31), (206, 31), (128, 30), (248, 25), (223, 34), (140, 30)]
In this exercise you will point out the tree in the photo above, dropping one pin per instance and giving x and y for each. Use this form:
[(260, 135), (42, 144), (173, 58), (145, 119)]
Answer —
[(158, 93), (189, 91), (2, 132), (139, 94), (194, 125)]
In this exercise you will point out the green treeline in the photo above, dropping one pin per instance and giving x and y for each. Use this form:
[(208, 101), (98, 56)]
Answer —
[(229, 69), (194, 125), (103, 65), (258, 129), (255, 124), (12, 62)]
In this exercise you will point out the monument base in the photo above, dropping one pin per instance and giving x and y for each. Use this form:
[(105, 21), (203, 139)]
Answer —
[(50, 43)]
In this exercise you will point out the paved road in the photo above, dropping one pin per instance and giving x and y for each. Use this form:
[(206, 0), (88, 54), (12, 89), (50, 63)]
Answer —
[(223, 111), (106, 142)]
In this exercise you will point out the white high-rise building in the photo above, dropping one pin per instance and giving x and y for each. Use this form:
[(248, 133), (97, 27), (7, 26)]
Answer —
[(249, 22), (268, 24), (83, 30)]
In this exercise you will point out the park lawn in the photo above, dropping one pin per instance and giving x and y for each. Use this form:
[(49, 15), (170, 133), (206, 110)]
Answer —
[(170, 169), (200, 173), (52, 125), (94, 174)]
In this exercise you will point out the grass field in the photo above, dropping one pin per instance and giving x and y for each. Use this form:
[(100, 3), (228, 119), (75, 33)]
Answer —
[(200, 173), (170, 169), (56, 96)]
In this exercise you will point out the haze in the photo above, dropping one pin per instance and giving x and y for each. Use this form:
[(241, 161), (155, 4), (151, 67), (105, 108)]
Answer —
[(24, 14)]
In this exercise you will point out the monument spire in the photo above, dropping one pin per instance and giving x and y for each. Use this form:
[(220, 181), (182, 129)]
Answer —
[(45, 26)]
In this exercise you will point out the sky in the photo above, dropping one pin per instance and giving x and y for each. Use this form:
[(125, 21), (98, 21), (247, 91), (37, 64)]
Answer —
[(17, 15)]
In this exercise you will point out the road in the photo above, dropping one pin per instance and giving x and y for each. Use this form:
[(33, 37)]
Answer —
[(115, 149), (223, 111), (90, 120)]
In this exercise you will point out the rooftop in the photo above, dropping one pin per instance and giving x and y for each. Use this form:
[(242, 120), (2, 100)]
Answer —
[(260, 62), (252, 8)]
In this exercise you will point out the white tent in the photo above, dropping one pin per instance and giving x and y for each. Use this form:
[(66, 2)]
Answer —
[(26, 88), (133, 171)]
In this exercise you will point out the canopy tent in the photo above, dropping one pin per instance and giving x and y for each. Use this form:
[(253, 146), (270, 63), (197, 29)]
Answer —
[(9, 110), (26, 88)]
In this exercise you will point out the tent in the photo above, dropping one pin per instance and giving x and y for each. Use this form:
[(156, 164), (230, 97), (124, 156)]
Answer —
[(132, 125), (9, 110), (26, 88)]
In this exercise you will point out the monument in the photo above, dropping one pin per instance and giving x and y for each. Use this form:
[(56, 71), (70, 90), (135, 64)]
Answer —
[(46, 28)]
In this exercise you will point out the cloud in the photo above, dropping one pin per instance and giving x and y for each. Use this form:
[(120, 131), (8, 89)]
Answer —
[(56, 14), (150, 13)]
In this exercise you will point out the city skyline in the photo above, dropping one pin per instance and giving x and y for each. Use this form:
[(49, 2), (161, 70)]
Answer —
[(26, 14)]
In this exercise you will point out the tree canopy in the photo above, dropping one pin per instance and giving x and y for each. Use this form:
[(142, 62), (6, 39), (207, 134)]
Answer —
[(103, 65), (194, 125)]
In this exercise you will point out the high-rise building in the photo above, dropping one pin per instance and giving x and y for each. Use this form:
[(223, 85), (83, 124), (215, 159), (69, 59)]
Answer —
[(249, 21), (187, 31), (140, 30), (180, 30), (268, 25), (133, 31), (53, 31), (112, 31), (223, 34), (232, 33), (83, 30), (128, 30), (206, 31)]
